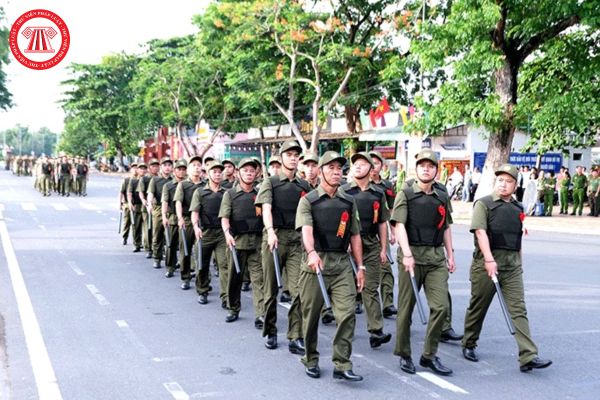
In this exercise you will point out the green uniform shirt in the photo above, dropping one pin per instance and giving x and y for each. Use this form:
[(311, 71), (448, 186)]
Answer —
[(132, 188), (197, 204), (243, 241), (425, 255), (124, 186), (184, 193), (479, 220), (593, 185), (549, 184), (384, 215), (304, 218), (565, 183), (579, 181), (156, 186), (168, 198)]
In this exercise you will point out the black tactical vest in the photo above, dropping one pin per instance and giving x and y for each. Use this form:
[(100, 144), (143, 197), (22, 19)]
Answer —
[(424, 217), (387, 187), (226, 184), (327, 214), (189, 188), (65, 169), (159, 183), (243, 217), (135, 195), (366, 202), (286, 196), (171, 187), (211, 203), (125, 186), (47, 169), (81, 169), (505, 228)]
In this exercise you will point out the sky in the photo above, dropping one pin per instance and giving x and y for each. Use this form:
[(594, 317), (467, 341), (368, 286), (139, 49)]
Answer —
[(96, 28)]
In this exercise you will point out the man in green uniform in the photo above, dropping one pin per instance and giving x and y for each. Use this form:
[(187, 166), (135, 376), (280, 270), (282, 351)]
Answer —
[(155, 188), (183, 201), (228, 174), (205, 206), (143, 184), (387, 275), (279, 196), (242, 223), (46, 176), (64, 186), (579, 181), (329, 222), (135, 206), (593, 193), (549, 184), (564, 184), (169, 216), (374, 213), (422, 219), (124, 203), (497, 224), (82, 175)]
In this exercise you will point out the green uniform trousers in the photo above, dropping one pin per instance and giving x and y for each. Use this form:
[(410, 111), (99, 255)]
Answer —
[(158, 233), (342, 293), (251, 261), (45, 184), (213, 244), (387, 285), (186, 238), (64, 184), (125, 221), (81, 183), (289, 260), (136, 214), (171, 256), (370, 293), (434, 279), (548, 203), (564, 200), (482, 294), (594, 206), (146, 230), (578, 196)]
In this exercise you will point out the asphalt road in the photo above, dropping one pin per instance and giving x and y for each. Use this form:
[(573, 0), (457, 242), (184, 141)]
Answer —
[(112, 327)]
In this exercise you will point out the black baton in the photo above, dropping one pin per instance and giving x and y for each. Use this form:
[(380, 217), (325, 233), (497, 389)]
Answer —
[(323, 289), (277, 267), (388, 253), (199, 254), (185, 246), (168, 236), (420, 308), (511, 327), (120, 219), (353, 264), (236, 262)]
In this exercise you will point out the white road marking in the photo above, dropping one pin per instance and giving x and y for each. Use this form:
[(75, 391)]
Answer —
[(42, 227), (43, 372), (60, 207), (99, 211), (444, 384), (88, 206), (176, 391), (28, 206), (96, 293), (75, 268), (133, 339), (113, 219), (1, 207)]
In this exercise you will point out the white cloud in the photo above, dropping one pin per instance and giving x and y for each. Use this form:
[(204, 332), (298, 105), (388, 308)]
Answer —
[(96, 29)]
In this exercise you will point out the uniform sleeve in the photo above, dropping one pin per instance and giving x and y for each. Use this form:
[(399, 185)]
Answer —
[(384, 212), (165, 193), (449, 220), (355, 220), (179, 195), (152, 186), (196, 203), (303, 214), (141, 186), (130, 188), (400, 210), (265, 193), (479, 218), (225, 210)]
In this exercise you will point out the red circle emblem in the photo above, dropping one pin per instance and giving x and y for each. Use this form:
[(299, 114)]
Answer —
[(39, 39)]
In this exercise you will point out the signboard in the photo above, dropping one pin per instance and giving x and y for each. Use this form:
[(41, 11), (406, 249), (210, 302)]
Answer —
[(388, 152), (550, 161)]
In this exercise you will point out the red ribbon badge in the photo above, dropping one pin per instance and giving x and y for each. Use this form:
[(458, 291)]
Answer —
[(389, 192), (376, 206), (302, 194), (522, 216), (342, 227), (442, 211), (257, 209)]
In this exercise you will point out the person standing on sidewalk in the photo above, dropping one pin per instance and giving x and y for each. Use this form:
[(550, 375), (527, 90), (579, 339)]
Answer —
[(593, 193), (580, 182), (564, 193)]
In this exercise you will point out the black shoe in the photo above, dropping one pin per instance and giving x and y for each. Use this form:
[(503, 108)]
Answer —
[(169, 274), (296, 346), (259, 322), (271, 342), (224, 305), (245, 286), (231, 317), (536, 363), (435, 365), (210, 288), (328, 317), (124, 242), (185, 285), (572, 213), (358, 309), (285, 297), (137, 250), (406, 365), (156, 264), (449, 335), (313, 372), (389, 312), (378, 338), (347, 375), (203, 299), (149, 255), (470, 354)]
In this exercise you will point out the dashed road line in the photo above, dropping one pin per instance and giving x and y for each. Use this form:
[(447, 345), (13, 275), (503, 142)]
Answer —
[(43, 372), (96, 293), (42, 227), (176, 391), (60, 207), (75, 268), (88, 206), (444, 384), (133, 339), (28, 206)]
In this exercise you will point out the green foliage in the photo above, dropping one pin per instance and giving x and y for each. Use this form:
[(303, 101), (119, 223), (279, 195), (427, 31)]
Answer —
[(23, 141), (5, 95)]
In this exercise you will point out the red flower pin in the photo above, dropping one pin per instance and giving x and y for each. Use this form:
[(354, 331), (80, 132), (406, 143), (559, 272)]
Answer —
[(389, 192), (302, 194), (376, 206), (522, 216), (442, 211)]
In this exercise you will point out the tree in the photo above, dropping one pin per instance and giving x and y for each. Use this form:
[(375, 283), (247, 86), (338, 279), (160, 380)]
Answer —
[(5, 95), (485, 46)]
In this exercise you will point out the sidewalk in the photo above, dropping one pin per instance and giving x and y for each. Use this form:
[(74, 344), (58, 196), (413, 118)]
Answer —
[(557, 223)]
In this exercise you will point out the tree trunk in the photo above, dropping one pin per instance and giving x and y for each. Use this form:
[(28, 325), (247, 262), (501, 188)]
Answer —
[(120, 157), (500, 141)]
